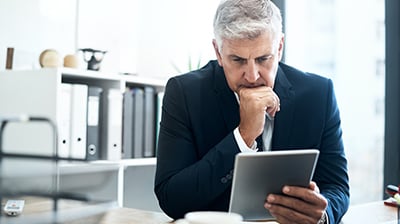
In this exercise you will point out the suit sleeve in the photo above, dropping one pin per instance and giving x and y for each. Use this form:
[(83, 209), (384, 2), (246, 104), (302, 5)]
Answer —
[(332, 175), (184, 180)]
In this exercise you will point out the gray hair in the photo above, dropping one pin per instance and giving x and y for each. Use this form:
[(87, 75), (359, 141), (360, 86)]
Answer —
[(246, 19)]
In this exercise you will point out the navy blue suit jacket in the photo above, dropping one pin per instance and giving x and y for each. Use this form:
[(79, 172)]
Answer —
[(196, 147)]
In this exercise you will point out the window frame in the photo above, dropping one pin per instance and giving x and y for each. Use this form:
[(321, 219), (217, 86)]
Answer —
[(392, 95)]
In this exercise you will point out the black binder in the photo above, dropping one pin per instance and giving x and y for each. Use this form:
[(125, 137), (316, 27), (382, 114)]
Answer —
[(138, 122), (93, 123), (127, 125)]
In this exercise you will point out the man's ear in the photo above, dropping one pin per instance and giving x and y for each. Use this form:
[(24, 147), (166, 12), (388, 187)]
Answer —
[(280, 49), (217, 53)]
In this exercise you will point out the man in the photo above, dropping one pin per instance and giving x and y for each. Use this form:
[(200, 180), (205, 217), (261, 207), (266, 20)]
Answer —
[(211, 114)]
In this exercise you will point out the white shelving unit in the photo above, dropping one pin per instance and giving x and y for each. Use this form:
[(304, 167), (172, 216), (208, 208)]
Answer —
[(38, 93)]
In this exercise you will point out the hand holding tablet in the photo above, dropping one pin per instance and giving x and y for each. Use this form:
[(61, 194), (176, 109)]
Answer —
[(258, 174)]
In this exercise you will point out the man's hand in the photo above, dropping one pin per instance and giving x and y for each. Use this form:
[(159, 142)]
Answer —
[(254, 104), (297, 205)]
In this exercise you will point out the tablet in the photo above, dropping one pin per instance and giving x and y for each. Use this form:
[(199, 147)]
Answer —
[(258, 174)]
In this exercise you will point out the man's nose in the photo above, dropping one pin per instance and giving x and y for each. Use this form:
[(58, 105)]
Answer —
[(252, 72)]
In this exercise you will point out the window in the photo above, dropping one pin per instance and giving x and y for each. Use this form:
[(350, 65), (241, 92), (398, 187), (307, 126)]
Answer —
[(345, 41)]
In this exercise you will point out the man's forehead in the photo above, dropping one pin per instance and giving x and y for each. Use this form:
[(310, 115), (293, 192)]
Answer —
[(263, 43), (248, 51)]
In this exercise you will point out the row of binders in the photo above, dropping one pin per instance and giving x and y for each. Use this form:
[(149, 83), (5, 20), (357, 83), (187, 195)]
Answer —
[(106, 124)]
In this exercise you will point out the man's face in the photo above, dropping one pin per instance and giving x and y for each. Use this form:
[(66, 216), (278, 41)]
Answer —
[(250, 63)]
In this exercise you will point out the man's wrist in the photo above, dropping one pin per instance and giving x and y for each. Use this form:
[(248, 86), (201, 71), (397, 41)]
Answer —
[(242, 145)]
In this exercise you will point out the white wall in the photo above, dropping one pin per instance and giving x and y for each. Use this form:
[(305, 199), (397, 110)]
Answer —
[(111, 26), (171, 32), (140, 36), (34, 25)]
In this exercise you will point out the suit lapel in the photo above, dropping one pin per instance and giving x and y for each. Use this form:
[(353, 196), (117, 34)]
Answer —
[(226, 99), (284, 118)]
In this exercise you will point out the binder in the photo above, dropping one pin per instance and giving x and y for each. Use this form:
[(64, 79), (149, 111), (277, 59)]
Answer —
[(79, 96), (93, 123), (112, 125), (127, 124), (138, 117), (160, 96), (64, 120), (149, 122)]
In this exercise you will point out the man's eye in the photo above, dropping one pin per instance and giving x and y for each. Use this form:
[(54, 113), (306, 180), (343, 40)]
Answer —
[(240, 60), (263, 59)]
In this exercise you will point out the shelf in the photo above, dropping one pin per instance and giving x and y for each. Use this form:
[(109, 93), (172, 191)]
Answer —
[(88, 167), (129, 79), (122, 162), (138, 162), (101, 179), (79, 74), (144, 80)]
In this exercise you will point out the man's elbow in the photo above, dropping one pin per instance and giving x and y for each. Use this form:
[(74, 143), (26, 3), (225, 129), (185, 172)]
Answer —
[(169, 206)]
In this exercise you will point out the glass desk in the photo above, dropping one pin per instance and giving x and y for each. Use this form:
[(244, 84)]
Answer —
[(59, 181)]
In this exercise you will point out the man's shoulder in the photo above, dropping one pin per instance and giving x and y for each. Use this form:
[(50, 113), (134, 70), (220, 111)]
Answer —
[(205, 75)]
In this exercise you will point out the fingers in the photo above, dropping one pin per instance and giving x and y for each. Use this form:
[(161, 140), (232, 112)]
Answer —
[(314, 187), (273, 107), (296, 204), (311, 195), (291, 210), (260, 98), (288, 216)]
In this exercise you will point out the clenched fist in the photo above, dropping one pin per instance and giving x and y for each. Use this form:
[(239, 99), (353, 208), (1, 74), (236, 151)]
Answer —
[(254, 104)]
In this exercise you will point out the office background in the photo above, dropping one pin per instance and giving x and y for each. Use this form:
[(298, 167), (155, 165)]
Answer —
[(356, 43)]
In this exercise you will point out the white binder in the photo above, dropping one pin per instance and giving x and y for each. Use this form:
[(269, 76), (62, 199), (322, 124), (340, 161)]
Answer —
[(64, 120), (113, 103), (160, 97), (79, 96)]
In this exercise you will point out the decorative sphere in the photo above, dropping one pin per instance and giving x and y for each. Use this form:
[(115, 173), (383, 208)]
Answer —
[(71, 61), (50, 58)]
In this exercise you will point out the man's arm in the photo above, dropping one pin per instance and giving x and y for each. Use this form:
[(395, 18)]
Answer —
[(333, 179), (185, 181)]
